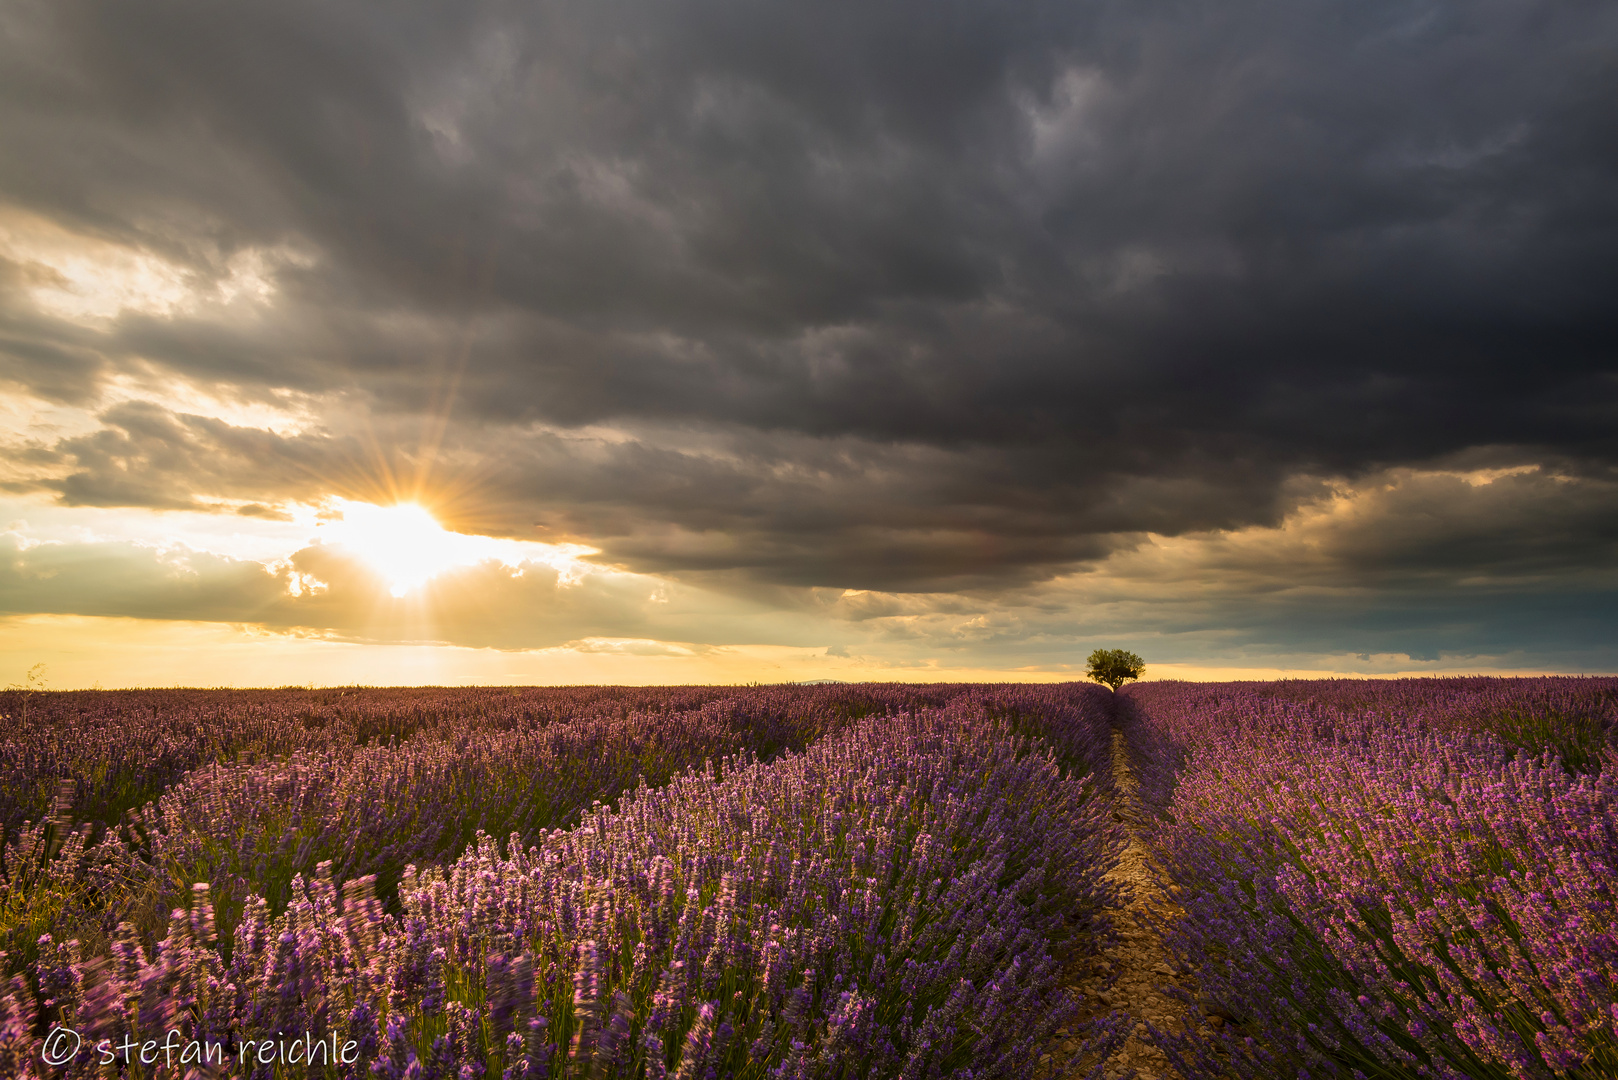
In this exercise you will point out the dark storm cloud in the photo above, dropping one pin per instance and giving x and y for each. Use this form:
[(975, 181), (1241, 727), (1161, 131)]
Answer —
[(791, 510), (147, 456), (1426, 564), (1499, 576), (884, 295)]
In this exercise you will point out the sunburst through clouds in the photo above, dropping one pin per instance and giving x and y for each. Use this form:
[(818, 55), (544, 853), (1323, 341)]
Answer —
[(406, 545)]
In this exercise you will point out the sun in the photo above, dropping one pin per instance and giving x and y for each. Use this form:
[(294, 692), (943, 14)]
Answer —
[(407, 546), (404, 543)]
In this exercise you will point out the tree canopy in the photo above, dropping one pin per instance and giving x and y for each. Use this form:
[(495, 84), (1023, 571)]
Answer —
[(1114, 667)]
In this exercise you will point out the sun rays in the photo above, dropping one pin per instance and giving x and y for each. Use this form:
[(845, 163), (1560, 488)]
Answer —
[(407, 547)]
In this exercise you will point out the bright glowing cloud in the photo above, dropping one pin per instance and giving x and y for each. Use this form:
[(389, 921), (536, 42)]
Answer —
[(281, 412), (77, 277), (408, 547), (82, 278)]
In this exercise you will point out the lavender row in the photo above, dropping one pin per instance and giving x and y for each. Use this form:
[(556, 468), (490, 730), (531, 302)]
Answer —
[(1384, 893), (1574, 718), (251, 826), (122, 749), (898, 900)]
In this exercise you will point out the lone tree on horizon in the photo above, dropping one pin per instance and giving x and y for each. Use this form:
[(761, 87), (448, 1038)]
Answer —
[(1114, 667)]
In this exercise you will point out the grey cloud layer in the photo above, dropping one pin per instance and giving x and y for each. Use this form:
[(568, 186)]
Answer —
[(896, 296), (1359, 571)]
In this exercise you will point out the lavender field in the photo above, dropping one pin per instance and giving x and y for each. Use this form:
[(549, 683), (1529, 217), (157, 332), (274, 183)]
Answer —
[(1379, 879), (1387, 879), (785, 881)]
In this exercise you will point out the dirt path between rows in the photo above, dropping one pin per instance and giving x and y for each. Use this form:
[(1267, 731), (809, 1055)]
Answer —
[(1139, 960)]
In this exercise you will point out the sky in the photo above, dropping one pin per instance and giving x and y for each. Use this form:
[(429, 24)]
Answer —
[(565, 341)]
